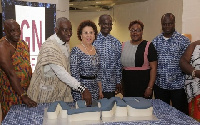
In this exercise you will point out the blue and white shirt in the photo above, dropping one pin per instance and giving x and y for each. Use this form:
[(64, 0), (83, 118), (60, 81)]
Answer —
[(169, 74), (109, 49)]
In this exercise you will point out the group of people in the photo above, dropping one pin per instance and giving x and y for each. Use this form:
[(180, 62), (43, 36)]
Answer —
[(100, 66)]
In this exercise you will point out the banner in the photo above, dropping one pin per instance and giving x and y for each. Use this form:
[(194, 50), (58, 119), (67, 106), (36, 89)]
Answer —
[(36, 20)]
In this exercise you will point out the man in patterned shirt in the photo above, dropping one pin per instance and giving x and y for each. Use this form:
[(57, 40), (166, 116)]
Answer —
[(109, 50), (170, 46)]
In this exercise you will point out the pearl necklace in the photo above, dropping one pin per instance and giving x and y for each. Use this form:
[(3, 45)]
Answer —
[(11, 44), (92, 58), (87, 49)]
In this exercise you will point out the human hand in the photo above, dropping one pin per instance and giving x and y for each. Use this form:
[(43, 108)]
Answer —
[(100, 95), (86, 95), (197, 73), (148, 93), (28, 101), (118, 88)]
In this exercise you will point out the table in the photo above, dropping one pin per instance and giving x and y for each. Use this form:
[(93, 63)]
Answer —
[(167, 115)]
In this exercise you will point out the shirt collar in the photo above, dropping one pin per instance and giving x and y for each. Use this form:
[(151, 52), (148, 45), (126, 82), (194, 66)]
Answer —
[(102, 36), (60, 42), (173, 35)]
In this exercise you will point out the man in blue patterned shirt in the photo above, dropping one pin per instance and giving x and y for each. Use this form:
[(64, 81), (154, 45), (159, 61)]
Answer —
[(170, 46), (109, 50)]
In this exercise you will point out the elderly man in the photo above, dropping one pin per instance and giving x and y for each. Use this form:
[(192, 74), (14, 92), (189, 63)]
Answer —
[(170, 46), (15, 69), (109, 49), (51, 80)]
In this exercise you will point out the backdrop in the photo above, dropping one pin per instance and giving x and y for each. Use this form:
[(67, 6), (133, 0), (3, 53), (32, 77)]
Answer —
[(37, 21)]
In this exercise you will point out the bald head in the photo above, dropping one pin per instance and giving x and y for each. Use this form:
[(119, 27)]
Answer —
[(8, 23), (104, 17), (105, 23), (12, 30)]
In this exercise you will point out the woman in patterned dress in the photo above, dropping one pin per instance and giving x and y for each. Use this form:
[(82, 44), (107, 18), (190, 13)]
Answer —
[(84, 61), (190, 64)]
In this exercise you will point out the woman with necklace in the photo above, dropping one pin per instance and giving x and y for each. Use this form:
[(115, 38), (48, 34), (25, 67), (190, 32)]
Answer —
[(84, 61), (139, 60)]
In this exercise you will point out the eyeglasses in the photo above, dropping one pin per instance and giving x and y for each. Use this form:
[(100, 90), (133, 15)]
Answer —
[(88, 33), (136, 30)]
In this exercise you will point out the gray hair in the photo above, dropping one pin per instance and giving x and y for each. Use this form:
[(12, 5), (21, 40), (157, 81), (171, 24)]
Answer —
[(59, 20)]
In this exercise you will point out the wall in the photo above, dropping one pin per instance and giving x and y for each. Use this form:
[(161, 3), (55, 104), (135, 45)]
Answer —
[(191, 18), (149, 12), (77, 17)]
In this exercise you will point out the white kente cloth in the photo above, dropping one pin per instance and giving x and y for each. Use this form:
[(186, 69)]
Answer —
[(45, 89), (192, 85)]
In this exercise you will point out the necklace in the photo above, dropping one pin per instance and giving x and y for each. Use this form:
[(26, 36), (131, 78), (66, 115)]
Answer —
[(91, 57), (87, 49), (11, 44)]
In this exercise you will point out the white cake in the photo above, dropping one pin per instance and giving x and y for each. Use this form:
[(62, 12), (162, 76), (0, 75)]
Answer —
[(121, 108), (57, 107), (80, 104), (83, 113), (106, 108), (138, 106), (64, 109), (53, 110)]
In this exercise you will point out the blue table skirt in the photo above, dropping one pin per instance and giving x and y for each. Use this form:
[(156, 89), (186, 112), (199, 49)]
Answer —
[(167, 115)]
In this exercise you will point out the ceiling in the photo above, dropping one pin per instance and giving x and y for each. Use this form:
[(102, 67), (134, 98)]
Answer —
[(97, 5)]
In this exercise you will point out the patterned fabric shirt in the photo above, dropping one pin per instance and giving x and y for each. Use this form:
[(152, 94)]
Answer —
[(22, 67), (169, 74), (109, 49)]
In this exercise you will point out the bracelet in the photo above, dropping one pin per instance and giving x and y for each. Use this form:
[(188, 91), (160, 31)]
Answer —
[(193, 73), (149, 88), (81, 88), (23, 94)]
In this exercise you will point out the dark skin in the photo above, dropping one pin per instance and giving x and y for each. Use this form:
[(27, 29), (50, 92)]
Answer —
[(12, 31), (136, 38), (105, 24), (185, 62), (168, 26), (64, 32)]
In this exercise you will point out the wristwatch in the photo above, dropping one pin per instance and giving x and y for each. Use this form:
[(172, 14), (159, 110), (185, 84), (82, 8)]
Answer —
[(193, 73)]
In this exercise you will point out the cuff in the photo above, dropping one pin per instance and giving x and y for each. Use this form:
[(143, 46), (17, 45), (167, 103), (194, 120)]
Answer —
[(81, 88)]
